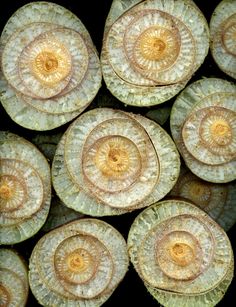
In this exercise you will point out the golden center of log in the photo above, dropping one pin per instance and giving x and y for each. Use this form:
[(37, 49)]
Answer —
[(112, 157), (46, 62), (157, 48), (217, 130), (79, 261), (152, 48), (118, 159), (4, 297), (7, 187), (5, 192), (155, 43), (51, 62), (221, 131), (178, 252), (158, 43), (181, 253), (12, 193)]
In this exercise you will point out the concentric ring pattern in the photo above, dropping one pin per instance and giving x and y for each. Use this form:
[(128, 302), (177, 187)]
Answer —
[(223, 33), (181, 254), (110, 162), (203, 126), (50, 68), (25, 189), (152, 48), (86, 260), (14, 285), (218, 200)]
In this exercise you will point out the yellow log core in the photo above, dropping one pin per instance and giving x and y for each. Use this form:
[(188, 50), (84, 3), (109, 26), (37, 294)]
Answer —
[(112, 157), (152, 48), (157, 43), (221, 131), (181, 253), (79, 260), (6, 191), (12, 193), (46, 62), (51, 61), (118, 159)]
